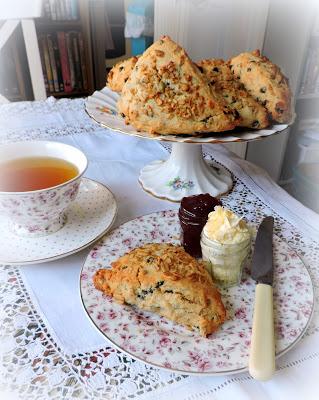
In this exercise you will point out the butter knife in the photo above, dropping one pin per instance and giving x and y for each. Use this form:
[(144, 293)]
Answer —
[(262, 348)]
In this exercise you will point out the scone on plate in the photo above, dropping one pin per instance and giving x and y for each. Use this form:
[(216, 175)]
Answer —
[(253, 115), (164, 279), (166, 93), (120, 73), (265, 82)]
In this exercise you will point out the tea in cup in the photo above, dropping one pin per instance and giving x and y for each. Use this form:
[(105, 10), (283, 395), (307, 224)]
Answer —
[(38, 181)]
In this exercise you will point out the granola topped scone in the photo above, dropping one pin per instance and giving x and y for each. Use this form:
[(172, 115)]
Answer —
[(120, 73), (164, 279), (265, 82), (253, 115), (166, 93)]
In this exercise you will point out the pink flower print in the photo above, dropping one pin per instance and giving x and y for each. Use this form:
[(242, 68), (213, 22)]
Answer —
[(104, 326), (240, 313), (299, 285), (164, 342), (132, 348), (71, 192), (202, 363), (100, 315), (84, 276), (42, 198), (112, 314), (94, 254), (33, 228), (127, 242), (222, 364), (306, 310), (153, 234), (161, 332), (125, 327)]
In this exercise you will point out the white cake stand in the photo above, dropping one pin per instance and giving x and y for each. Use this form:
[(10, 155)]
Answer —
[(185, 172)]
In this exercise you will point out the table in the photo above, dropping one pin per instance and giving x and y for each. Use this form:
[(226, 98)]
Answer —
[(49, 349)]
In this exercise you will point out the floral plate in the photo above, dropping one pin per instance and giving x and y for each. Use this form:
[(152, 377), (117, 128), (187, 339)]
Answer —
[(157, 341), (88, 218), (101, 106)]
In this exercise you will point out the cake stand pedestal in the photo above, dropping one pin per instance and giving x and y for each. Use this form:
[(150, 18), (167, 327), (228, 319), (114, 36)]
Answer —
[(184, 173)]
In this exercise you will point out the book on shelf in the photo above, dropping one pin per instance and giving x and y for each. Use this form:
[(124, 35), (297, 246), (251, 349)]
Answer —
[(71, 58), (45, 50), (58, 62), (77, 63), (63, 62), (53, 63), (41, 39), (61, 10)]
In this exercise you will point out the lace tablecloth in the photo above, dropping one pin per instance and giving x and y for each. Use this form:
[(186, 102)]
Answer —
[(48, 349)]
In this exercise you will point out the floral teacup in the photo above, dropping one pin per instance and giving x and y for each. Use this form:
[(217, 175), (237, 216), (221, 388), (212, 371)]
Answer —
[(40, 212)]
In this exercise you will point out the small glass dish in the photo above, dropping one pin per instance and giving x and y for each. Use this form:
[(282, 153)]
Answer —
[(225, 262)]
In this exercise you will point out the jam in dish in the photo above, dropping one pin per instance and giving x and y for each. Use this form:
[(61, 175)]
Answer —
[(193, 213)]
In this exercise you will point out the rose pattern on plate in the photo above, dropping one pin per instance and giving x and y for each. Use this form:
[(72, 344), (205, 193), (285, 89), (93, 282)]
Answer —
[(41, 212), (178, 184), (160, 342)]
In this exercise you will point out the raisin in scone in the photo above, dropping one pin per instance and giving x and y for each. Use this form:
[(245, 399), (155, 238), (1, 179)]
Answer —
[(120, 73), (265, 82), (164, 279), (253, 115), (166, 93)]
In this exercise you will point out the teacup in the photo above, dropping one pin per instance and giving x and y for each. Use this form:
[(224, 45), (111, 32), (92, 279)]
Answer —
[(40, 212)]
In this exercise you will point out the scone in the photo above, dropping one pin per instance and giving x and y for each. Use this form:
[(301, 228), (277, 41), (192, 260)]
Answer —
[(120, 73), (265, 82), (253, 115), (166, 93), (164, 279)]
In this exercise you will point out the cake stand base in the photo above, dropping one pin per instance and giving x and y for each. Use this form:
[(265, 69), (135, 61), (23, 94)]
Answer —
[(184, 173)]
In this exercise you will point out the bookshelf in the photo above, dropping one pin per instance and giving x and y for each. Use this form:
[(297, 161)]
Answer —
[(15, 83), (64, 39)]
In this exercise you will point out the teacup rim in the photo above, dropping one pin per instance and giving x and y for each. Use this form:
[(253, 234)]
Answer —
[(78, 176)]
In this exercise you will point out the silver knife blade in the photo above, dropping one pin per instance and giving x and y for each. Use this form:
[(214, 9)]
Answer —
[(262, 261)]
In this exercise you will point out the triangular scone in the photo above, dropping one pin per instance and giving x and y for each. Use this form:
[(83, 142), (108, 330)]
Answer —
[(218, 73), (166, 93), (265, 82), (164, 279), (120, 73)]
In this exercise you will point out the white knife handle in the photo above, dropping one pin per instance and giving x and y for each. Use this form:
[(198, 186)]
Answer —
[(262, 350)]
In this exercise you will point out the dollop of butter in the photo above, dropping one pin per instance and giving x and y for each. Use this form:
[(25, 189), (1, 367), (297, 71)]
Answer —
[(226, 227)]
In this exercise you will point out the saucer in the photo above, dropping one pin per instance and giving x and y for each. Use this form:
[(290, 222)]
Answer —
[(89, 217)]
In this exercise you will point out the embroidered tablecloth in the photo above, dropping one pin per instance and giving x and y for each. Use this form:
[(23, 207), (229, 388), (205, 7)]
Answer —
[(49, 349)]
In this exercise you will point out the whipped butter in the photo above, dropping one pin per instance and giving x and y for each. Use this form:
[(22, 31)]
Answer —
[(226, 227), (225, 244)]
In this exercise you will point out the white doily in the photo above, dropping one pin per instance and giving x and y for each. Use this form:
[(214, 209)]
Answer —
[(33, 366)]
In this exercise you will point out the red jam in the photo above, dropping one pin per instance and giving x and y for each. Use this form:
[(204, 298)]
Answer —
[(193, 213)]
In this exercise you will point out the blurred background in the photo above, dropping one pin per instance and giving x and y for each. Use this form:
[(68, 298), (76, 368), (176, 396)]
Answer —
[(64, 48)]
